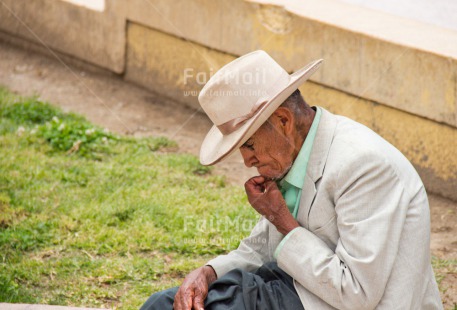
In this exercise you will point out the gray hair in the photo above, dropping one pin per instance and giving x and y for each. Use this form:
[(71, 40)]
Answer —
[(296, 103), (299, 108)]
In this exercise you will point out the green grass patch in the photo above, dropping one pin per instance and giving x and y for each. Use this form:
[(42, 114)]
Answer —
[(445, 271), (90, 218)]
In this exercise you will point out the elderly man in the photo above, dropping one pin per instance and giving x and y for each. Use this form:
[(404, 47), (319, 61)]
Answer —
[(345, 217)]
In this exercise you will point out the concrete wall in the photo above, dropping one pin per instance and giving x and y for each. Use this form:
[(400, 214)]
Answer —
[(397, 76), (396, 62), (93, 36)]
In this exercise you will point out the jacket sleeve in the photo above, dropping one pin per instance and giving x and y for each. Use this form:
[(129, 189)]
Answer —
[(370, 204), (250, 254)]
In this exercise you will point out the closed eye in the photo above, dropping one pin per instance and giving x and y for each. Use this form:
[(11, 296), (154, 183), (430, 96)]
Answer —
[(249, 145)]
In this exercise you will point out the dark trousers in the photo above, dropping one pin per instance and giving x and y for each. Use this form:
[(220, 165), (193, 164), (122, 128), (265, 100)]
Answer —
[(267, 288)]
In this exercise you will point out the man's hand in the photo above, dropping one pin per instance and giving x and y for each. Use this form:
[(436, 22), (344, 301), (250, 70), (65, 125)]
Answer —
[(265, 197), (194, 289)]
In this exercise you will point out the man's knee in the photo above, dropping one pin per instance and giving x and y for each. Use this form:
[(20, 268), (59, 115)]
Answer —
[(161, 300)]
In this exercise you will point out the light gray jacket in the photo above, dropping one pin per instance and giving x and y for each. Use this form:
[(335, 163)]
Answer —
[(364, 241)]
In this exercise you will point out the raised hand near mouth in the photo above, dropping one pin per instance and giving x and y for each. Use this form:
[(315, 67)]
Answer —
[(265, 197)]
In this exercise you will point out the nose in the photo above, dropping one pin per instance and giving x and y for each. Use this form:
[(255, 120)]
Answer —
[(249, 157)]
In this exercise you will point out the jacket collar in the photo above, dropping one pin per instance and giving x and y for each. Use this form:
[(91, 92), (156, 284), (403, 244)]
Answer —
[(321, 147), (316, 164)]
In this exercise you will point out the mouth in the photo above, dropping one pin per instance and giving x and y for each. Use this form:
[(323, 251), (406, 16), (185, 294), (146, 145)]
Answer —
[(265, 173), (271, 174)]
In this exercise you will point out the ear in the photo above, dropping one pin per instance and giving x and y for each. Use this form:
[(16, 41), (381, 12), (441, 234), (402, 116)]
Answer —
[(285, 119)]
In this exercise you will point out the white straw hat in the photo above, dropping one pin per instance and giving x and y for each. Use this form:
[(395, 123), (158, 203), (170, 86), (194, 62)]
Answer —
[(241, 96)]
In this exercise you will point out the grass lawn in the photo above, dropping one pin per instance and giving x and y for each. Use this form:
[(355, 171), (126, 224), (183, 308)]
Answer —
[(89, 218)]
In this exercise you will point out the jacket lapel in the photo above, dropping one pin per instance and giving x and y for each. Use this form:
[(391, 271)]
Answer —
[(316, 164)]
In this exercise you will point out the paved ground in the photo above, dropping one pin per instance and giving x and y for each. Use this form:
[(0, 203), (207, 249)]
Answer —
[(441, 13), (124, 108)]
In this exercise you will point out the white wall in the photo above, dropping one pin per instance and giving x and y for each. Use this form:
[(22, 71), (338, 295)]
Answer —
[(97, 5)]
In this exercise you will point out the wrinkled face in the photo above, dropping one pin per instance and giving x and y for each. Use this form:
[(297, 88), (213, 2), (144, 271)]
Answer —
[(269, 150)]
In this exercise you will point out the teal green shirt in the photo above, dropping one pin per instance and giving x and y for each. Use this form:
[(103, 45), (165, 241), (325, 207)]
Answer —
[(292, 184)]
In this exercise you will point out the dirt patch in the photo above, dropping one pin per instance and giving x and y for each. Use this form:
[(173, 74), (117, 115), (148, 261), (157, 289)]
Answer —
[(444, 228), (121, 107)]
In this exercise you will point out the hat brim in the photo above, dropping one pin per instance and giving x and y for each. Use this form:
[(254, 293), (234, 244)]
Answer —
[(216, 146)]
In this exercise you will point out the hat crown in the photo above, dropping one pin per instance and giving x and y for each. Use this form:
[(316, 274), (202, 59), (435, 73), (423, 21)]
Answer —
[(238, 87)]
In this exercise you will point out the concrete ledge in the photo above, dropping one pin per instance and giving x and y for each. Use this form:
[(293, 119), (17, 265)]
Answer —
[(405, 64), (66, 59), (401, 63), (168, 65), (96, 37)]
